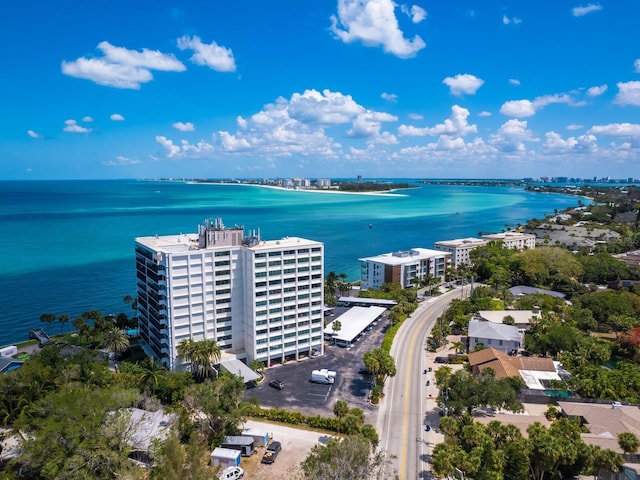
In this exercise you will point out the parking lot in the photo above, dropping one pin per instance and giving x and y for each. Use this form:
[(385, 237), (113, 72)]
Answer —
[(299, 394)]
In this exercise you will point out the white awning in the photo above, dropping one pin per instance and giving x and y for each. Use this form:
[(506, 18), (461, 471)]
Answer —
[(236, 367)]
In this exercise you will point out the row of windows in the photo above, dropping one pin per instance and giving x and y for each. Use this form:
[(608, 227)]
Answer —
[(288, 344)]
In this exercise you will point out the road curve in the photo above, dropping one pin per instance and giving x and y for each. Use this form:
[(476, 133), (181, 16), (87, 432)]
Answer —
[(401, 419)]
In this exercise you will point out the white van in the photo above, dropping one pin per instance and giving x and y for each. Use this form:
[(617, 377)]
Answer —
[(231, 473), (323, 376)]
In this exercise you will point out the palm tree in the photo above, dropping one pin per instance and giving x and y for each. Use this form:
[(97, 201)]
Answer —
[(201, 355), (342, 285), (47, 318), (128, 299), (79, 323), (152, 372), (63, 318), (117, 341), (458, 347)]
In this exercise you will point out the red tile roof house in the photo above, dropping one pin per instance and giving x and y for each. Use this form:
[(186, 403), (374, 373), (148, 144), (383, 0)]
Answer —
[(535, 371)]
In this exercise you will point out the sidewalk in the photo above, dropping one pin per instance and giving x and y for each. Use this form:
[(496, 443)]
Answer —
[(432, 392)]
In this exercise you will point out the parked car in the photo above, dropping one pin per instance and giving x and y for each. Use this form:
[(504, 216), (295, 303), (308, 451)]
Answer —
[(231, 473), (276, 384), (272, 452)]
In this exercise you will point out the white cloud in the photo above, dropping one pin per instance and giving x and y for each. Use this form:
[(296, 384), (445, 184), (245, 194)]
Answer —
[(184, 149), (184, 127), (511, 137), (596, 91), (116, 117), (416, 116), (636, 65), (33, 134), (544, 100), (295, 127), (149, 59), (373, 22), (515, 20), (73, 127), (518, 108), (630, 130), (554, 144), (514, 81), (368, 124), (581, 11), (628, 93), (417, 14), (484, 113), (120, 67), (528, 108), (389, 97), (455, 125), (108, 74), (574, 126), (324, 107), (87, 119), (211, 55), (121, 160), (463, 84)]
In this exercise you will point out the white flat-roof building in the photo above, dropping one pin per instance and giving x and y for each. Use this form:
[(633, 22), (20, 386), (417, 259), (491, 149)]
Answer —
[(257, 299), (405, 268), (516, 240), (460, 248)]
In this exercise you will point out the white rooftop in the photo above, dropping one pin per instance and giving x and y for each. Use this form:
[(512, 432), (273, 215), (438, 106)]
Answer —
[(534, 378), (228, 453), (404, 256), (462, 242), (520, 317), (353, 322), (185, 242)]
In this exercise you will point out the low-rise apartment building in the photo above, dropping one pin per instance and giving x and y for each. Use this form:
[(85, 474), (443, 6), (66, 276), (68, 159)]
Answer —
[(460, 248), (406, 268), (516, 240)]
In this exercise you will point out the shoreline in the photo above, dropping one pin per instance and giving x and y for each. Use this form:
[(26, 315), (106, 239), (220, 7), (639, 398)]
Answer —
[(381, 193)]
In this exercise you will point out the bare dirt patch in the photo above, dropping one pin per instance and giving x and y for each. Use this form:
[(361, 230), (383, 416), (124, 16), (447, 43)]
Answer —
[(296, 445)]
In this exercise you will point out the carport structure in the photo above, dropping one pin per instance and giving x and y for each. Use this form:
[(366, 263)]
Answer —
[(352, 323)]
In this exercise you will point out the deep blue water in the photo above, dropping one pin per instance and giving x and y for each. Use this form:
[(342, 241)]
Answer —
[(68, 246)]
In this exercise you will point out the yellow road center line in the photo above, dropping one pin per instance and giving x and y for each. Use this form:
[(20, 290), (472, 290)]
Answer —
[(406, 407)]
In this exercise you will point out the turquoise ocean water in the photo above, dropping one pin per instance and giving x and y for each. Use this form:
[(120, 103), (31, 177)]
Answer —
[(67, 246)]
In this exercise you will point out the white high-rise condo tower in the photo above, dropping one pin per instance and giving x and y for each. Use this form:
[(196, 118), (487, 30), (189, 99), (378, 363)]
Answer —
[(259, 300)]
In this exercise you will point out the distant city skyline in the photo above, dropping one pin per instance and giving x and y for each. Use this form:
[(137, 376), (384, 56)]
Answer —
[(345, 88)]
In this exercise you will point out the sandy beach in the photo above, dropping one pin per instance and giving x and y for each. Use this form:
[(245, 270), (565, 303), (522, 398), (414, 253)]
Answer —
[(381, 193)]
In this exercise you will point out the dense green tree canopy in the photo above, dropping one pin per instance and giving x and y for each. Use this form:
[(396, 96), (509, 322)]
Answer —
[(462, 391), (350, 457), (606, 304), (78, 432)]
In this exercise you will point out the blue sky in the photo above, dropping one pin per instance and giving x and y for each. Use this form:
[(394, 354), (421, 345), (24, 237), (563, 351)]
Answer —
[(257, 89)]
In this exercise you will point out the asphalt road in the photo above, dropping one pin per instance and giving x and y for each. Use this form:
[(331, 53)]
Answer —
[(403, 417)]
